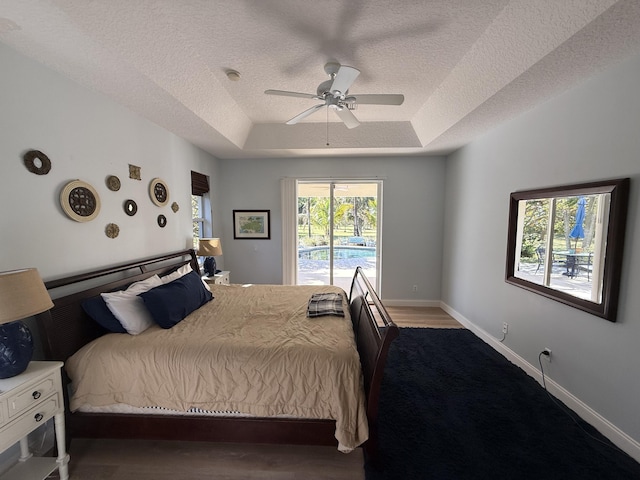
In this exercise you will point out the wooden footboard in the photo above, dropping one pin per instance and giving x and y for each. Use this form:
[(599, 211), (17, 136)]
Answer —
[(374, 332), (66, 328)]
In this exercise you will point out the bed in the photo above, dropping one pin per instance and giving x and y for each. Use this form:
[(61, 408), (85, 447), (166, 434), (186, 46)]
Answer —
[(69, 333)]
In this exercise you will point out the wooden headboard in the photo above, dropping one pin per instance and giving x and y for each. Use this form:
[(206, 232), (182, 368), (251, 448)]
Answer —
[(66, 327)]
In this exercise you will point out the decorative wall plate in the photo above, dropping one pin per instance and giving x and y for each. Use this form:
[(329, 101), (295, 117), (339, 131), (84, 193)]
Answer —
[(113, 183), (130, 207), (162, 221), (159, 192), (80, 201), (175, 207), (37, 162), (112, 230), (134, 172)]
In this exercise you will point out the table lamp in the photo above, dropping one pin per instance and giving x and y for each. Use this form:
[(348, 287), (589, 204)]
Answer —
[(22, 295), (209, 247)]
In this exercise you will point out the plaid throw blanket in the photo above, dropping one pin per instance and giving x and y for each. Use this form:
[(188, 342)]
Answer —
[(325, 304)]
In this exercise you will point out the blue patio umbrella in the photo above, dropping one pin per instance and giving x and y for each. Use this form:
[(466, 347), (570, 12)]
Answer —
[(578, 230)]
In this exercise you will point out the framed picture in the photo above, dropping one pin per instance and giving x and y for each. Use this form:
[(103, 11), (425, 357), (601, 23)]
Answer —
[(253, 224)]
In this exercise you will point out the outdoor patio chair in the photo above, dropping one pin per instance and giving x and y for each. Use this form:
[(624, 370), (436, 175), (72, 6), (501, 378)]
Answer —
[(540, 251), (541, 254)]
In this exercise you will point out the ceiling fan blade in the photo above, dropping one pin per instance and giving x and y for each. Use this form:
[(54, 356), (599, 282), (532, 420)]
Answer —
[(347, 117), (304, 114), (378, 99), (344, 78), (284, 93)]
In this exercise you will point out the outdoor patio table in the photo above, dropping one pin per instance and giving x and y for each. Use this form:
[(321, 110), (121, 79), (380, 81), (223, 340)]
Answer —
[(574, 261)]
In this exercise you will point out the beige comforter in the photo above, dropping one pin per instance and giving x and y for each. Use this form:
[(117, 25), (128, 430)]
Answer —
[(251, 349)]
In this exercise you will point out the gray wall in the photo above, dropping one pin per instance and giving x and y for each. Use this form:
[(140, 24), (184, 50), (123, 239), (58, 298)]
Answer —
[(588, 133), (413, 194), (87, 137)]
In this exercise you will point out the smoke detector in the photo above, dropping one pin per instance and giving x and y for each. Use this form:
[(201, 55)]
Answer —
[(233, 75)]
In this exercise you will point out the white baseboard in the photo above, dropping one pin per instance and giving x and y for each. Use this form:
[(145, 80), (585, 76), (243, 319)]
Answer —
[(608, 429), (411, 303)]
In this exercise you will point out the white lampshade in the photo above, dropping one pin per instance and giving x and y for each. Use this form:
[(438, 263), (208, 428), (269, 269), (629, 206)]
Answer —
[(209, 247), (22, 294)]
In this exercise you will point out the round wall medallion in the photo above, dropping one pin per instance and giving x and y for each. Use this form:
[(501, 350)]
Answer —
[(113, 183), (162, 221), (175, 207), (80, 201), (159, 192), (130, 207), (112, 230), (37, 162)]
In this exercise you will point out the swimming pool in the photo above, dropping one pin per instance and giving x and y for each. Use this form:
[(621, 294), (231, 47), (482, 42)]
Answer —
[(339, 253)]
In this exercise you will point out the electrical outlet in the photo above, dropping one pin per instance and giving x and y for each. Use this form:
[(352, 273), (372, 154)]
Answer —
[(547, 353), (505, 328), (415, 288)]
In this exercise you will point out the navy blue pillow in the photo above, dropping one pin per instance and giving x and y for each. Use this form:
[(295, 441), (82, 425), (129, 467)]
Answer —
[(171, 302), (97, 309)]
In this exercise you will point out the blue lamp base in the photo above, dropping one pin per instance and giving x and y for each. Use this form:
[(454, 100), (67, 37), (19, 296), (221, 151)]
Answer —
[(209, 266), (16, 348)]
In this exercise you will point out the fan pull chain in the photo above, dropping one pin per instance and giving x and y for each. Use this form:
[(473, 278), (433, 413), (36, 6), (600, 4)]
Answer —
[(327, 109)]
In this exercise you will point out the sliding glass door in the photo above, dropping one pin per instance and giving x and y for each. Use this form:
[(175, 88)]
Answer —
[(337, 230)]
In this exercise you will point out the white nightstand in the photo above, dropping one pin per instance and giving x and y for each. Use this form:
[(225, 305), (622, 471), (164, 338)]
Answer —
[(221, 278), (27, 401)]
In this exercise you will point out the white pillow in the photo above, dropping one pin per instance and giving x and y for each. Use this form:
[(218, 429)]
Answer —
[(181, 272), (129, 309)]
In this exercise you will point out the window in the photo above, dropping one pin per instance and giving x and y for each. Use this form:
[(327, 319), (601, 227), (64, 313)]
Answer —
[(198, 219), (200, 211), (562, 240)]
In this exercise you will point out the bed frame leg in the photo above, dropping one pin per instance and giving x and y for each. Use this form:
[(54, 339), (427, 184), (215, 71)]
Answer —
[(371, 454)]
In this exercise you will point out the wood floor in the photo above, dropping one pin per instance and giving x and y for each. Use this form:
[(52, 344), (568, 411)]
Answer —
[(164, 460), (171, 460), (425, 317)]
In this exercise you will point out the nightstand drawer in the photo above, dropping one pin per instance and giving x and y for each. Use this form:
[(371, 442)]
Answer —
[(221, 278), (31, 419), (32, 395)]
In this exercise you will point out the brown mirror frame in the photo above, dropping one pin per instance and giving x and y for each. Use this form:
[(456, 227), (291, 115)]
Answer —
[(619, 196)]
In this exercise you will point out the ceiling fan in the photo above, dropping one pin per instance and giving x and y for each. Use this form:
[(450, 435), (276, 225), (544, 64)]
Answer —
[(335, 95)]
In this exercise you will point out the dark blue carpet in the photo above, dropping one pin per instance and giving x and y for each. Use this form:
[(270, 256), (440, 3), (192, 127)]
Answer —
[(451, 407)]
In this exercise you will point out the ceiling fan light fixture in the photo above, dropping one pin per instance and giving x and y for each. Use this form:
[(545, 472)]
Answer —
[(335, 95)]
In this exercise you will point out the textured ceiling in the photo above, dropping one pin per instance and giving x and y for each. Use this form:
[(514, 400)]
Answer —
[(463, 66)]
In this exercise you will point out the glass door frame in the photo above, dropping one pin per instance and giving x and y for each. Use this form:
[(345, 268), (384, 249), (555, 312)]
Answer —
[(332, 183)]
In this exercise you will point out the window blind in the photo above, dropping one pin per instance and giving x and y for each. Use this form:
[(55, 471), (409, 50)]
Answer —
[(199, 183)]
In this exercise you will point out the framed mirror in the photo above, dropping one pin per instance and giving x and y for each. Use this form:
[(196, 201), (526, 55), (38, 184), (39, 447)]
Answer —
[(566, 243)]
